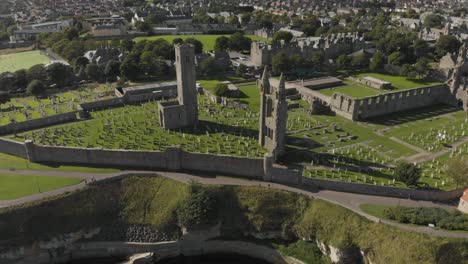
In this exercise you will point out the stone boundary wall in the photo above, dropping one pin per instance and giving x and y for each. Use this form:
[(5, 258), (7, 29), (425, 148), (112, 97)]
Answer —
[(102, 104), (39, 123), (175, 159), (13, 148), (388, 103), (397, 192), (309, 94)]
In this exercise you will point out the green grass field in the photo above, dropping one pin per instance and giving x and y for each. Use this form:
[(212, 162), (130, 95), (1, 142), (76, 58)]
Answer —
[(21, 60), (8, 162), (13, 186), (353, 89), (207, 40), (398, 82)]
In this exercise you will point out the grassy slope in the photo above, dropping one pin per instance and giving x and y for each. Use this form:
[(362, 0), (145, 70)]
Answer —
[(14, 186), (21, 60), (154, 201), (207, 40), (12, 162)]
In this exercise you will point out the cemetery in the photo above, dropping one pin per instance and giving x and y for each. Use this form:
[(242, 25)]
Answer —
[(20, 109)]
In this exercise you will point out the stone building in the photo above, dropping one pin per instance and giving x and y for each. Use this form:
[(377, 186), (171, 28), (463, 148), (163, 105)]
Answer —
[(458, 77), (273, 115), (334, 45), (184, 111)]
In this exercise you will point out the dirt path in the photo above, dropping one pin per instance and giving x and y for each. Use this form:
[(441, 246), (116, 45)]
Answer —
[(347, 200)]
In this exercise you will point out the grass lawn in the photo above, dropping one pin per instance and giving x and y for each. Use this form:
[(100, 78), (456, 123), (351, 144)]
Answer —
[(353, 89), (207, 40), (375, 209), (14, 186), (21, 60), (11, 162), (398, 82)]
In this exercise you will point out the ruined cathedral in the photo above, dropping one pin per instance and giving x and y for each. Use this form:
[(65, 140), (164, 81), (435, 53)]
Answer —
[(273, 114)]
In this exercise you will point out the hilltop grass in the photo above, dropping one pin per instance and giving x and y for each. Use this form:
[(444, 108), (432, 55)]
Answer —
[(207, 40), (21, 60), (13, 186), (154, 202)]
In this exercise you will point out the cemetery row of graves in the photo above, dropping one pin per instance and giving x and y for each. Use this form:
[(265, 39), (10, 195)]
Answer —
[(20, 109), (362, 152)]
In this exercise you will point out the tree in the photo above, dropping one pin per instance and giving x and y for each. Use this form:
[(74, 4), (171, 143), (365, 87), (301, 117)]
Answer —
[(4, 98), (408, 173), (239, 42), (377, 62), (281, 62), (60, 74), (245, 19), (316, 58), (37, 72), (20, 79), (177, 41), (422, 66), (80, 62), (209, 66), (447, 43), (221, 44), (6, 82), (221, 89), (420, 47), (112, 70), (71, 33), (196, 43), (127, 44), (148, 62), (199, 208), (396, 58), (130, 68), (36, 88), (457, 170), (241, 69), (93, 72), (233, 20), (433, 21), (343, 62), (408, 71), (360, 61), (144, 26), (282, 36)]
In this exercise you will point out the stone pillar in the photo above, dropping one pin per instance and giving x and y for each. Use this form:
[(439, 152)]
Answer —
[(173, 160), (267, 166), (30, 153)]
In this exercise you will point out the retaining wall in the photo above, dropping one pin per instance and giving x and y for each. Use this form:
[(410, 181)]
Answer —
[(368, 189), (13, 148), (39, 123)]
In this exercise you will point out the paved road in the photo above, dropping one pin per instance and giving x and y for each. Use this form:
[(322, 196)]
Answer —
[(347, 200)]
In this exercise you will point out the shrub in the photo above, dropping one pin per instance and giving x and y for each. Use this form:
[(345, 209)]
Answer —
[(408, 173), (199, 209), (221, 89)]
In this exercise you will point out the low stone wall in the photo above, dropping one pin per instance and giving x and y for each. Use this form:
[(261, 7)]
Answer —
[(14, 148), (102, 104), (368, 189), (39, 123)]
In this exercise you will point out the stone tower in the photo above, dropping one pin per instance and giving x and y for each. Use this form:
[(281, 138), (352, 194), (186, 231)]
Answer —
[(273, 115), (184, 111)]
